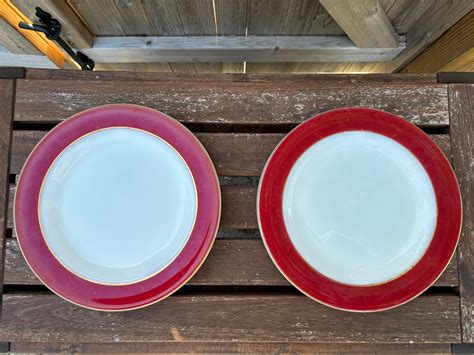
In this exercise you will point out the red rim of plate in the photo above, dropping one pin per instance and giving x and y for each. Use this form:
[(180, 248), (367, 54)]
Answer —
[(142, 293), (314, 284)]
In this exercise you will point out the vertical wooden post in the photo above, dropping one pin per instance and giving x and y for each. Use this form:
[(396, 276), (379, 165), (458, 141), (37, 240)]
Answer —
[(461, 106), (7, 95)]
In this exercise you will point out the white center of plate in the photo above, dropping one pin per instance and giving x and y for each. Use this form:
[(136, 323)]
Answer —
[(359, 208), (117, 206)]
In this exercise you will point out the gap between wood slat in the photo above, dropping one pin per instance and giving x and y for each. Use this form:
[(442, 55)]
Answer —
[(231, 347)]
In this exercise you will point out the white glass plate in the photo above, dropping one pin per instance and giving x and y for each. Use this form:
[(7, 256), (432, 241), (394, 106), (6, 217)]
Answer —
[(117, 206), (359, 208)]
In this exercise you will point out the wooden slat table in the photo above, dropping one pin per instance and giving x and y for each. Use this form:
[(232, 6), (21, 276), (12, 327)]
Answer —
[(238, 301)]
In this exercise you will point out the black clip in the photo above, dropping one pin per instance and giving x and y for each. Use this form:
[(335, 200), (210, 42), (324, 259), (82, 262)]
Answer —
[(52, 29)]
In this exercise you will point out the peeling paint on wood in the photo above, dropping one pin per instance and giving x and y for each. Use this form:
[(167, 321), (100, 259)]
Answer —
[(230, 103)]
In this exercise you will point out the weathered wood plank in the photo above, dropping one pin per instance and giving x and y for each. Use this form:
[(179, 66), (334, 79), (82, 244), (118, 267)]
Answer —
[(73, 29), (238, 318), (7, 94), (290, 18), (461, 104), (231, 17), (181, 17), (455, 42), (232, 262), (230, 347), (41, 74), (8, 59), (436, 20), (209, 67), (13, 40), (233, 154), (404, 13), (183, 67), (236, 102), (114, 18), (364, 21), (134, 67), (137, 49)]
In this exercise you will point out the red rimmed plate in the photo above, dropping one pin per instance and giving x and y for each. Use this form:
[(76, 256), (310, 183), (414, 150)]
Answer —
[(359, 209), (117, 207)]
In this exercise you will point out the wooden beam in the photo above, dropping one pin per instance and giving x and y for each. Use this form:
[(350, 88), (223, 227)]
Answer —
[(7, 94), (461, 107), (364, 21), (8, 59), (235, 49), (73, 29), (430, 26), (453, 51)]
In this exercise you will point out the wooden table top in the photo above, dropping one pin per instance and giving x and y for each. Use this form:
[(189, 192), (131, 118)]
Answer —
[(238, 301)]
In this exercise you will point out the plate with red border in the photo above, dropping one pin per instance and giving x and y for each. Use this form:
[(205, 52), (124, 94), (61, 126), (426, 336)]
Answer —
[(117, 207), (359, 209)]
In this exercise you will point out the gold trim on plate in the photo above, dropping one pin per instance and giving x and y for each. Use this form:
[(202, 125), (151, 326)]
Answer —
[(219, 200)]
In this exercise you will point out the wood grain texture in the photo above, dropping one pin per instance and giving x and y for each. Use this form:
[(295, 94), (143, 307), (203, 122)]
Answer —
[(73, 29), (463, 63), (231, 17), (233, 154), (461, 103), (181, 17), (136, 49), (13, 40), (290, 18), (231, 347), (114, 17), (364, 21), (8, 59), (207, 67), (238, 318), (237, 102), (454, 43), (436, 20), (41, 74), (232, 262), (7, 94), (134, 67), (227, 67), (404, 13)]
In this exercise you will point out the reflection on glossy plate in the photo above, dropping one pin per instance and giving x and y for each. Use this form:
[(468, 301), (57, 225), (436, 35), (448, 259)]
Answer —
[(367, 209), (120, 192)]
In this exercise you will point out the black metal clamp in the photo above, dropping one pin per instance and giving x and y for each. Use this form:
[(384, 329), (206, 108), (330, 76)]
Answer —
[(52, 30)]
